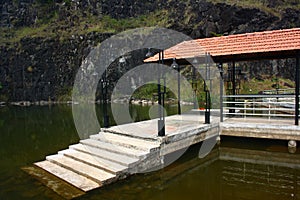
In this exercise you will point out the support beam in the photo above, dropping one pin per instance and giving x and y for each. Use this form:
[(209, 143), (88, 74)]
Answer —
[(297, 81), (220, 66), (233, 81), (178, 86), (194, 86), (207, 89), (161, 120)]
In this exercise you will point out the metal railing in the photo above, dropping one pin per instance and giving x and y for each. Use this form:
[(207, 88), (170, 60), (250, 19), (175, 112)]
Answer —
[(280, 91), (259, 106)]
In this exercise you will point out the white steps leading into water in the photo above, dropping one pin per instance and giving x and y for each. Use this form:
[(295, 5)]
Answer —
[(99, 160), (93, 173), (94, 161), (126, 141), (69, 176)]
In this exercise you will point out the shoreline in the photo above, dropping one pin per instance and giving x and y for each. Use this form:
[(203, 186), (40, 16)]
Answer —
[(141, 102)]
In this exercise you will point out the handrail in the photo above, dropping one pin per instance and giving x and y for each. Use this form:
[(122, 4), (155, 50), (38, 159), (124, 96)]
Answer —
[(259, 105), (259, 95)]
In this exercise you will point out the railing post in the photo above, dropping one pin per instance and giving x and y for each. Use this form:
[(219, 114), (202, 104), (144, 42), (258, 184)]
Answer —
[(269, 115), (245, 108)]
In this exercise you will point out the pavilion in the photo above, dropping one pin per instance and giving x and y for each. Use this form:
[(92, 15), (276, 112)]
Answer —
[(266, 45)]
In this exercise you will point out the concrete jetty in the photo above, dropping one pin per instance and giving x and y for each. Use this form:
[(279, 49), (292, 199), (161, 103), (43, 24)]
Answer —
[(120, 151), (281, 129)]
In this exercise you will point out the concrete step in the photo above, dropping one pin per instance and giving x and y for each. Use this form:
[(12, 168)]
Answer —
[(69, 176), (105, 145), (129, 142), (93, 173), (90, 146), (95, 161)]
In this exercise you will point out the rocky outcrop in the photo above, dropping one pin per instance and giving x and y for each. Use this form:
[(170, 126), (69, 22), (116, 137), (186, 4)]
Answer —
[(44, 68)]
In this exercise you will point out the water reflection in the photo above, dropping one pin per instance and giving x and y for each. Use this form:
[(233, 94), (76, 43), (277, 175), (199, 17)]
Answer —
[(237, 169)]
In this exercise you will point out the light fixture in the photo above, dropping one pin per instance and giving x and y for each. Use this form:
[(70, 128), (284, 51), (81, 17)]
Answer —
[(148, 54), (195, 61), (174, 65)]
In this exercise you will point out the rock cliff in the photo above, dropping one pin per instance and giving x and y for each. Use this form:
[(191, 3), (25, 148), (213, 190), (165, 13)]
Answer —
[(43, 66)]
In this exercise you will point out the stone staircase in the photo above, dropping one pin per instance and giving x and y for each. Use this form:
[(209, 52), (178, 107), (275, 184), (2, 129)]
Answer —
[(102, 159)]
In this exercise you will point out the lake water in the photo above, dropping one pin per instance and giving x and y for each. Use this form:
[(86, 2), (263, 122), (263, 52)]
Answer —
[(236, 169)]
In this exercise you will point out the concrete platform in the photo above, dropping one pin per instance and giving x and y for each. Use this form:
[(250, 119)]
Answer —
[(120, 151), (282, 129), (117, 152)]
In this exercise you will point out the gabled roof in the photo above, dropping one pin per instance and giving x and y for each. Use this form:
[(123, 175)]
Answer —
[(249, 46)]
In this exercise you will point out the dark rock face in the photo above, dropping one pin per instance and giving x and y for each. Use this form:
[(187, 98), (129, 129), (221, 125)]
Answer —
[(130, 8), (44, 68), (260, 70)]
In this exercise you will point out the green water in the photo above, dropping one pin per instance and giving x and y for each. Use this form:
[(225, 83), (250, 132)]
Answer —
[(28, 134)]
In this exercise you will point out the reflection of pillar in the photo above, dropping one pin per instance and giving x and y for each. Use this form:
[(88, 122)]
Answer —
[(23, 82), (297, 89), (104, 100)]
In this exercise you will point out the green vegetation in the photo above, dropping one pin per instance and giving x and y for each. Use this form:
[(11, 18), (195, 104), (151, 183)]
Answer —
[(254, 86), (64, 94), (63, 29), (263, 5), (149, 91), (4, 98)]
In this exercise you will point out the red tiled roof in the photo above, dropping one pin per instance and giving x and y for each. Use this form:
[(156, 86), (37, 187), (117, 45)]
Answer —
[(235, 45)]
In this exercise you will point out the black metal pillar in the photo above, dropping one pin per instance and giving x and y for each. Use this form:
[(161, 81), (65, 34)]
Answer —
[(178, 86), (220, 66), (104, 100), (161, 120), (194, 86), (297, 89), (233, 81), (206, 89)]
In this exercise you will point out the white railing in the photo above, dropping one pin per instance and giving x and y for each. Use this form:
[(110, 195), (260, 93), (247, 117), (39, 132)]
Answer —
[(280, 91), (259, 105)]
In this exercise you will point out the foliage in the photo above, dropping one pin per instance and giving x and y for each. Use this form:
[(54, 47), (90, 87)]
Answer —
[(149, 91), (64, 94), (4, 98), (51, 26), (255, 86)]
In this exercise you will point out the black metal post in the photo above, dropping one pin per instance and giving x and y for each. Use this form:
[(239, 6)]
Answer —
[(221, 91), (207, 95), (233, 81), (161, 120), (177, 67), (178, 86), (297, 89), (194, 86), (104, 100)]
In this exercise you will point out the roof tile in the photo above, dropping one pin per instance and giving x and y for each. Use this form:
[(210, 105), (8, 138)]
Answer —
[(257, 42)]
